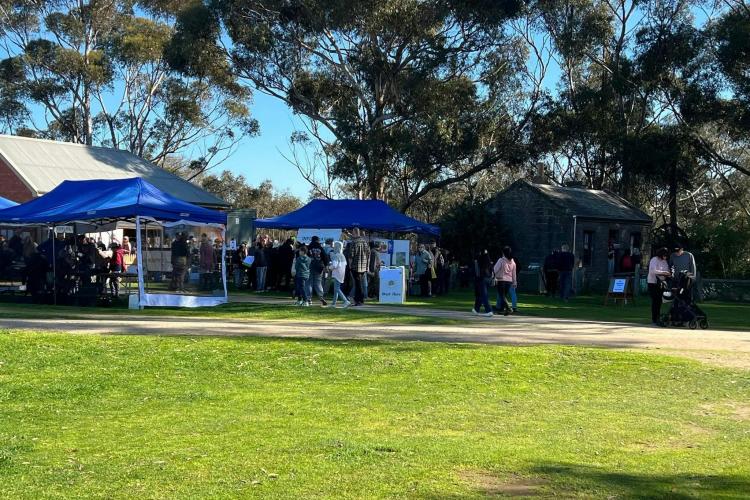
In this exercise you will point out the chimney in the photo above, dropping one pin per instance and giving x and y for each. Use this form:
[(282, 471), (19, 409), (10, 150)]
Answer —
[(539, 177)]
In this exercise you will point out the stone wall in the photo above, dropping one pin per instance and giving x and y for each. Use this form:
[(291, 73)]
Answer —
[(537, 226)]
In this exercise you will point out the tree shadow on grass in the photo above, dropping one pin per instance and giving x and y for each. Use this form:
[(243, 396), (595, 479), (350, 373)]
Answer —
[(633, 485)]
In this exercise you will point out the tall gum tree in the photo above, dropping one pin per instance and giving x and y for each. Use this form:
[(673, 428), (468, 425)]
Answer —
[(406, 96)]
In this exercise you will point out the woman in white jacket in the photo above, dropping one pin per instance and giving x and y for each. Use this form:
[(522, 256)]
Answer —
[(338, 272)]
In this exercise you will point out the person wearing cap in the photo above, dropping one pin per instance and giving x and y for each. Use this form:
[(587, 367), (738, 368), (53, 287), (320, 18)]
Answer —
[(682, 261)]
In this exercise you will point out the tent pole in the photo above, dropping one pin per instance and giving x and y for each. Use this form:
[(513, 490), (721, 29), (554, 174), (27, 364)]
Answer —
[(139, 259), (54, 266), (224, 261)]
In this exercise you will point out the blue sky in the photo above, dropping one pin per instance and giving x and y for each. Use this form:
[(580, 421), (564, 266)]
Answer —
[(260, 158)]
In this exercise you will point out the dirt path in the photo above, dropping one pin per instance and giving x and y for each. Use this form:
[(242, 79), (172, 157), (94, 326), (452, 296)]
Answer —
[(704, 345)]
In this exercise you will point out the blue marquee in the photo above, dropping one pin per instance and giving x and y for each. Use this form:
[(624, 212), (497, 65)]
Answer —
[(371, 215), (6, 203), (107, 199)]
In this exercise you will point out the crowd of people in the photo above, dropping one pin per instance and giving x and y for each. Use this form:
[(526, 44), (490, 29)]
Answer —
[(69, 264), (346, 271), (79, 265)]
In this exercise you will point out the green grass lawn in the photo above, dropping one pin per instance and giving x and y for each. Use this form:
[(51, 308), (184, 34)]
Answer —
[(226, 311), (727, 315), (165, 417)]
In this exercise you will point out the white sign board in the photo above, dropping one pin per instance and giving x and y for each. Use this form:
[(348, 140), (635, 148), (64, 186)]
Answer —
[(392, 285), (393, 252), (400, 256), (619, 285), (304, 235)]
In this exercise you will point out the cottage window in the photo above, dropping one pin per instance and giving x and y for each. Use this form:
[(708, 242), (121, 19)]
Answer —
[(588, 247)]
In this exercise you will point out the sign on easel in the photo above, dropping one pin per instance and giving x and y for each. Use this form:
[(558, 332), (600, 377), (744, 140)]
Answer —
[(619, 289)]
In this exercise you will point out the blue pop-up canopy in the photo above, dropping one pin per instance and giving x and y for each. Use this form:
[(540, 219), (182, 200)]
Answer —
[(107, 199), (6, 203), (372, 215)]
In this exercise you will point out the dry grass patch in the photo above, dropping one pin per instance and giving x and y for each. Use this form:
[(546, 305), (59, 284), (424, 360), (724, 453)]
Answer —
[(736, 410), (514, 486)]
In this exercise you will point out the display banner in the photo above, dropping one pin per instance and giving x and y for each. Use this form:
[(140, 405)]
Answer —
[(304, 235)]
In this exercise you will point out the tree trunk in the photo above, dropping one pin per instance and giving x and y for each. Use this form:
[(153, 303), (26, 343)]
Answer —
[(673, 225)]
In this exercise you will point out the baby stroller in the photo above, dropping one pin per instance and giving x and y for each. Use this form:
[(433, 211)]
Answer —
[(683, 310)]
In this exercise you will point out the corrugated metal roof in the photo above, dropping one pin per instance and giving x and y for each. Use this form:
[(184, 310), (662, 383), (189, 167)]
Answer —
[(592, 203), (43, 164)]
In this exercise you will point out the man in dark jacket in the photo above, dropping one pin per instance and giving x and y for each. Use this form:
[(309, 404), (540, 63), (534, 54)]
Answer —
[(360, 262), (319, 261), (286, 257), (551, 273), (180, 254)]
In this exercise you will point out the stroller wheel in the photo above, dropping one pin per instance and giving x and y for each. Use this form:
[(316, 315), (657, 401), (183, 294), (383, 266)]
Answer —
[(703, 324), (693, 325)]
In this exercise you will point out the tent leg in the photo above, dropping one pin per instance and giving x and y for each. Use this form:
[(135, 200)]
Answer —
[(139, 260), (54, 267)]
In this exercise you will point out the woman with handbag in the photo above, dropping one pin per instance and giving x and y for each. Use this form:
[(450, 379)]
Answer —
[(483, 279)]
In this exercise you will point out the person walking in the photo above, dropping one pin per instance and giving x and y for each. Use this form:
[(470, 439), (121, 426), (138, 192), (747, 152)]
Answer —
[(658, 271), (482, 281), (360, 253), (423, 262), (338, 273), (261, 266), (565, 264), (505, 274), (514, 290), (301, 276), (318, 263)]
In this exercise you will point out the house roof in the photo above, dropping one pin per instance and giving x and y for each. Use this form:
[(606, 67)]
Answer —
[(42, 165), (108, 199), (590, 203)]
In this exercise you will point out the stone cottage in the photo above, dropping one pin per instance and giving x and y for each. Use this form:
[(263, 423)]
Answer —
[(540, 218)]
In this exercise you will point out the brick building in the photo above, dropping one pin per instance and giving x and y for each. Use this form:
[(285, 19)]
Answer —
[(540, 218), (33, 167)]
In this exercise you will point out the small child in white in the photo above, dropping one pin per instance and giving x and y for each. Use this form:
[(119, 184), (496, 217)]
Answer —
[(338, 271)]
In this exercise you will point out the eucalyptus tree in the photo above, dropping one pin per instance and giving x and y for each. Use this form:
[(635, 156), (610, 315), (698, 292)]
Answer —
[(94, 72), (405, 96)]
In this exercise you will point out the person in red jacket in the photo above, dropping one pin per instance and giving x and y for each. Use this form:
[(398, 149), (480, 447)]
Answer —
[(116, 266)]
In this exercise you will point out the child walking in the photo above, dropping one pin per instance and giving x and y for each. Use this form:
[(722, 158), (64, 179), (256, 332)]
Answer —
[(301, 275), (338, 272)]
